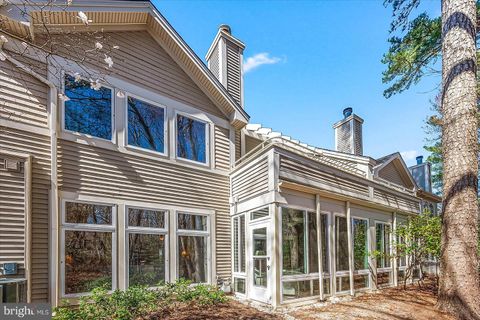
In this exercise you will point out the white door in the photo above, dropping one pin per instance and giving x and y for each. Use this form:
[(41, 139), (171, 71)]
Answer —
[(260, 262)]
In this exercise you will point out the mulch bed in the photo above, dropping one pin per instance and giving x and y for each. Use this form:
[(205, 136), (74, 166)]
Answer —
[(230, 310)]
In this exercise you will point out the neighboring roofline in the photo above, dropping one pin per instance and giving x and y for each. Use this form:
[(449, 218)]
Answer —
[(419, 165), (239, 116), (428, 196), (392, 157)]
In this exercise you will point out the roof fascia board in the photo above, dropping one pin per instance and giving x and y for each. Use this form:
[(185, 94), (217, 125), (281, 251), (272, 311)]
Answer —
[(85, 4)]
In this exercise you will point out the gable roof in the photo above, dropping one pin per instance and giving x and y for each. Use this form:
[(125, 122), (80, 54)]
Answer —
[(128, 15), (398, 170)]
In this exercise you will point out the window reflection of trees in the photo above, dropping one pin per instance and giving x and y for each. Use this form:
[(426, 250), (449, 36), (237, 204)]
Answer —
[(146, 259), (191, 139), (87, 110), (193, 258), (192, 248), (146, 125), (88, 261), (88, 213), (146, 218)]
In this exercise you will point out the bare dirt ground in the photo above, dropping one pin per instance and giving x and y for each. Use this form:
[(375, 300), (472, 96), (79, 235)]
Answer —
[(231, 310), (414, 303)]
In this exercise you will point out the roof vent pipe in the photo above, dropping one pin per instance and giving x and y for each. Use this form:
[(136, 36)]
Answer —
[(347, 112), (419, 159)]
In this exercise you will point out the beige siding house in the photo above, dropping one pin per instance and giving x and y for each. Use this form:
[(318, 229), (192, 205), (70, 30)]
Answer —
[(124, 160)]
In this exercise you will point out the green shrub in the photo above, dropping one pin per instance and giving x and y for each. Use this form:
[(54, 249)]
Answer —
[(202, 294), (138, 301), (119, 305)]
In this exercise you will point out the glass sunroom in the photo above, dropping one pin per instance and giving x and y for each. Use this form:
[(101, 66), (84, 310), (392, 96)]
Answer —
[(303, 229)]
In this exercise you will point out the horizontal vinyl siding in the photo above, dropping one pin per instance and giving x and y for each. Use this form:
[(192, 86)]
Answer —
[(142, 61), (99, 172), (288, 165), (22, 98), (39, 147), (222, 148), (12, 217), (390, 173), (251, 181)]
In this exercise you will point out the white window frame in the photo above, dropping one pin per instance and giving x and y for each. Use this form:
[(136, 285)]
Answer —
[(258, 209), (165, 126), (208, 138), (148, 231), (85, 135), (87, 228), (204, 233), (390, 248), (307, 276), (239, 274), (361, 271)]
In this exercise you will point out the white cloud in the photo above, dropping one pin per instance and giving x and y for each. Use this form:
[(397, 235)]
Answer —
[(409, 155), (259, 59)]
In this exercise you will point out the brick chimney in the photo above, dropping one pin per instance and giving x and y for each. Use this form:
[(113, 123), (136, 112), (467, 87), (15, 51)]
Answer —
[(224, 59), (348, 133)]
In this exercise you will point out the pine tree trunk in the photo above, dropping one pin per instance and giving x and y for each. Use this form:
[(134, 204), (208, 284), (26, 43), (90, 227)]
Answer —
[(459, 291)]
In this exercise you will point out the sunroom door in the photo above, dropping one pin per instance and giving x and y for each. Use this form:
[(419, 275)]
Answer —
[(260, 269)]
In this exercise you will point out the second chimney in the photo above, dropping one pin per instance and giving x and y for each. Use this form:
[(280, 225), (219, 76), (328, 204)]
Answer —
[(224, 59), (348, 133)]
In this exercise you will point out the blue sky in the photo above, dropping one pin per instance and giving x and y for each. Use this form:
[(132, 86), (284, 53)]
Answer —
[(323, 56)]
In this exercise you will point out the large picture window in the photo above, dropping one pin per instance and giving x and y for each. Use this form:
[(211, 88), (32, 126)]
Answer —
[(87, 110), (147, 245), (191, 139), (89, 247), (193, 246), (146, 125)]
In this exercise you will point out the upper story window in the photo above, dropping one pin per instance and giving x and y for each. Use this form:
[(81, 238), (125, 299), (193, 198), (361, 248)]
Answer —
[(146, 125), (87, 110), (191, 139)]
